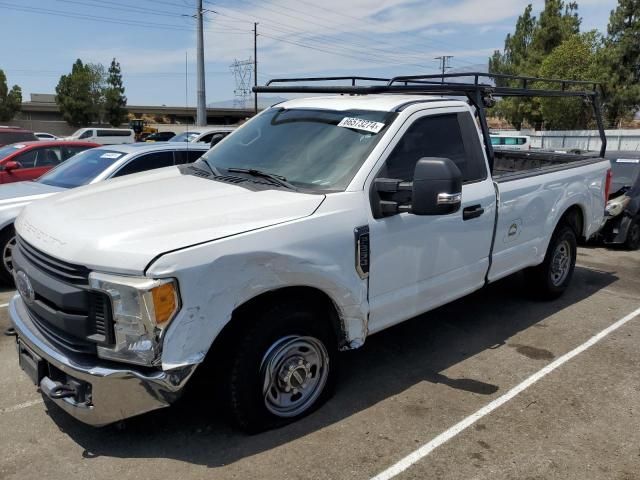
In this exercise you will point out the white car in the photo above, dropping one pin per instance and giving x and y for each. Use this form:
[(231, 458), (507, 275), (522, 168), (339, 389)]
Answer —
[(104, 136), (45, 136), (84, 168), (207, 135), (319, 222)]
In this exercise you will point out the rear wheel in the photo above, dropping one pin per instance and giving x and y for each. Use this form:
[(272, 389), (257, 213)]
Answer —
[(7, 244), (633, 235), (283, 367), (552, 277)]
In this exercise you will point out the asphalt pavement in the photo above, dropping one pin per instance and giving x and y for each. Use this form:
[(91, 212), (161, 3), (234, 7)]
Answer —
[(493, 386)]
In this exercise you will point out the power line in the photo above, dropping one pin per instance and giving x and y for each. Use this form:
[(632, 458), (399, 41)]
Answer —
[(123, 7), (413, 53), (42, 11)]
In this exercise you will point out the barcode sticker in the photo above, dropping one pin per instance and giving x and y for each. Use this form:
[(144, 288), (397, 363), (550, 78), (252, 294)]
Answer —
[(360, 124), (111, 155)]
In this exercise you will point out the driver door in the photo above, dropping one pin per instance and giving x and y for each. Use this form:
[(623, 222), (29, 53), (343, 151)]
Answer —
[(420, 262)]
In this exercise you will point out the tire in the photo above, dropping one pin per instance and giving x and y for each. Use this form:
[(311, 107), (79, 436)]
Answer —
[(551, 278), (632, 241), (283, 368), (7, 243)]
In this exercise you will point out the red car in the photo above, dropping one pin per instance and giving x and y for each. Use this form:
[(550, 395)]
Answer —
[(9, 135), (29, 160)]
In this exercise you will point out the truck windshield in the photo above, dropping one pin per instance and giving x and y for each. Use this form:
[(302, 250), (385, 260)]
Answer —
[(81, 169), (312, 149)]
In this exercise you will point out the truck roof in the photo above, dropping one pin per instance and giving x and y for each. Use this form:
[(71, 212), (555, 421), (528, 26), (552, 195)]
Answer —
[(377, 102)]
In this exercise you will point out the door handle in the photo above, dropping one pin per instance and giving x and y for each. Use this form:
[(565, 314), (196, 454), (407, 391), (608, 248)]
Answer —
[(474, 211)]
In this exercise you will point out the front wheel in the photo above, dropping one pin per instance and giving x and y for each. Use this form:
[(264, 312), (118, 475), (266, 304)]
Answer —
[(283, 367), (552, 277), (7, 244), (633, 235)]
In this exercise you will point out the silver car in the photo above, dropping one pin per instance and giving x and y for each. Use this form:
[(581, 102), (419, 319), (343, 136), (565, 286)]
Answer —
[(87, 167)]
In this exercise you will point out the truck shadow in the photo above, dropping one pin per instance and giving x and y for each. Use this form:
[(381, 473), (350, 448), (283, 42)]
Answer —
[(391, 362)]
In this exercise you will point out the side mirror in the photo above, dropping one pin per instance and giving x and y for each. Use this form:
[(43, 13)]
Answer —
[(437, 187), (9, 166)]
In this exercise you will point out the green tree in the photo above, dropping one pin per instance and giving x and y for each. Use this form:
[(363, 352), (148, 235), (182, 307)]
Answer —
[(114, 98), (573, 59), (10, 100), (80, 94), (524, 51), (621, 61)]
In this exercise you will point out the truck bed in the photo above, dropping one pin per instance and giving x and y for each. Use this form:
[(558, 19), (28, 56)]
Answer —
[(513, 164)]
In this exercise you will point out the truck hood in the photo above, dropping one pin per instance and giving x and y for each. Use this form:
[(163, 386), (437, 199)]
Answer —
[(121, 225)]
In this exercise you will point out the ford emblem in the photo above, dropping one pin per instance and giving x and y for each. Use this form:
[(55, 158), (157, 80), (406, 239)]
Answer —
[(23, 284)]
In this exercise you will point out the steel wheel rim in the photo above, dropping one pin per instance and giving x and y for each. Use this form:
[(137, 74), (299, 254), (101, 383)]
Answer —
[(7, 255), (560, 263), (294, 372)]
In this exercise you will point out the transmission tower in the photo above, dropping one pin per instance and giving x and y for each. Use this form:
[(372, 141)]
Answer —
[(243, 73)]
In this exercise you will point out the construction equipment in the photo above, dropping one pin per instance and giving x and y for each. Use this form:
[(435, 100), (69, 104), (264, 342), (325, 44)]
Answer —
[(141, 128)]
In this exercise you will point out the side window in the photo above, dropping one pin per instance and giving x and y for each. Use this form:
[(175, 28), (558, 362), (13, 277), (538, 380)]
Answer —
[(216, 138), (187, 156), (68, 152), (438, 136), (146, 162), (27, 159), (522, 141), (207, 138), (86, 134), (48, 157)]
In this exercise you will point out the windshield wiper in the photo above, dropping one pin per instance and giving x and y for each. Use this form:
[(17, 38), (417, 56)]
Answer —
[(279, 179)]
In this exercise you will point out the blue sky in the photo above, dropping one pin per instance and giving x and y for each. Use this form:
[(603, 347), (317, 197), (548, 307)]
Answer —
[(151, 38)]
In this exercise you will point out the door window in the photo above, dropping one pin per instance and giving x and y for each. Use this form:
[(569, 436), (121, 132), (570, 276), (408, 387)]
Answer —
[(68, 152), (47, 157), (438, 136), (187, 156), (27, 159), (146, 162), (86, 134)]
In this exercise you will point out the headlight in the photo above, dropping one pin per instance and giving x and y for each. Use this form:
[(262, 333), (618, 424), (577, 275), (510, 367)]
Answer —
[(616, 206), (142, 308)]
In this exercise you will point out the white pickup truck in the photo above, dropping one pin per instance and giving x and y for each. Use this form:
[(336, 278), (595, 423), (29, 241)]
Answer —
[(316, 224)]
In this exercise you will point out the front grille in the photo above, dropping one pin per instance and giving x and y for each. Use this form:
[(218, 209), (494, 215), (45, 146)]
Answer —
[(65, 310), (67, 272)]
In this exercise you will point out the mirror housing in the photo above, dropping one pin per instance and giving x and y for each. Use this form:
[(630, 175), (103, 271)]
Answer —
[(437, 187), (11, 165)]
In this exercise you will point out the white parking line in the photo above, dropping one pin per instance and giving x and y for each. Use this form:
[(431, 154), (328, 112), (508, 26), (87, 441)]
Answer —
[(20, 406), (461, 426), (2, 305)]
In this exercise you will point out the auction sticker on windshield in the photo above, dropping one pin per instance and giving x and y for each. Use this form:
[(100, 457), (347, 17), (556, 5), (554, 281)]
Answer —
[(360, 124), (111, 155)]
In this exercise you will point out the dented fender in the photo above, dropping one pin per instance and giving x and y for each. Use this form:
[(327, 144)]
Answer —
[(218, 277)]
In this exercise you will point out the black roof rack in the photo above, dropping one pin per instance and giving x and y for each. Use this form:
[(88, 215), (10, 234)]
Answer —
[(472, 85)]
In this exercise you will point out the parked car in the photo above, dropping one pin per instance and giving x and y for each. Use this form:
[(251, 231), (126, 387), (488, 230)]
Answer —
[(88, 167), (210, 136), (104, 136), (318, 223), (160, 137), (29, 160), (45, 136), (622, 220), (511, 142), (9, 135)]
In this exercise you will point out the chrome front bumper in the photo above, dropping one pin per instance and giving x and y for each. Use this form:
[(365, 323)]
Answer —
[(115, 392)]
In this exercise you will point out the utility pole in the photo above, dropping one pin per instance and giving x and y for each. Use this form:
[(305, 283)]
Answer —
[(201, 113), (255, 65), (444, 63)]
